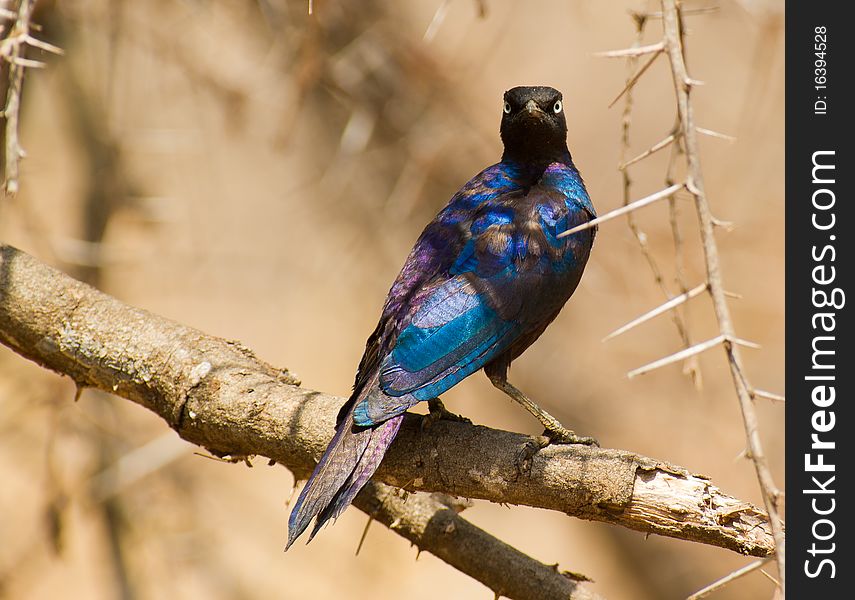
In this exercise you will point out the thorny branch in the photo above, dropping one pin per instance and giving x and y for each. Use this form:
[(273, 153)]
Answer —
[(682, 86), (691, 365), (683, 140), (12, 50)]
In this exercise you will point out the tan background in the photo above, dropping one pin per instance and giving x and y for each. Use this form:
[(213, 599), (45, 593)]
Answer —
[(266, 173)]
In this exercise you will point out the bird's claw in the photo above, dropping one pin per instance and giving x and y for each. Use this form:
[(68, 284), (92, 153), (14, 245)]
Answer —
[(527, 453), (566, 436), (438, 412)]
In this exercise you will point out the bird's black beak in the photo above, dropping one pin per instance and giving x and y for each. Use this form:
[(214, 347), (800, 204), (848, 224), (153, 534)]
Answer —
[(533, 111)]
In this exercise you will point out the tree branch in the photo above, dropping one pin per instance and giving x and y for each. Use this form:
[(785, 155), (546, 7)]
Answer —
[(217, 394)]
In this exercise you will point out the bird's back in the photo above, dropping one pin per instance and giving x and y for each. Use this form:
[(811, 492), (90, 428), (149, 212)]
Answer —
[(484, 279)]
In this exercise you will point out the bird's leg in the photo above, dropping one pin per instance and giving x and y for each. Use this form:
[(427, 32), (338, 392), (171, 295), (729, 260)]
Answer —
[(555, 432), (439, 412)]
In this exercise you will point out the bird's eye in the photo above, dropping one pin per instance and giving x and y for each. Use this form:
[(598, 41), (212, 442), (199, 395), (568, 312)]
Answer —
[(557, 107), (507, 108)]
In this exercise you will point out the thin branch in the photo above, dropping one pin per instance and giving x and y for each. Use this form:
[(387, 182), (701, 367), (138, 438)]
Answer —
[(720, 583), (695, 184), (660, 195), (135, 465), (11, 50), (679, 322), (431, 525), (216, 394)]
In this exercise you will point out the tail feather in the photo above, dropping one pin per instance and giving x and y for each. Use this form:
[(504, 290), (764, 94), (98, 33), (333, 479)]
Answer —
[(381, 439), (348, 463)]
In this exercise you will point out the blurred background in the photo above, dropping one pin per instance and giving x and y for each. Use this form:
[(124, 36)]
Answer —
[(261, 173)]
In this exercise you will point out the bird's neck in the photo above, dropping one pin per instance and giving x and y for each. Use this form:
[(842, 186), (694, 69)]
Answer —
[(528, 166)]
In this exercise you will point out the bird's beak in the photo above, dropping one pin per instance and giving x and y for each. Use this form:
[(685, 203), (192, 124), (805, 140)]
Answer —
[(532, 110)]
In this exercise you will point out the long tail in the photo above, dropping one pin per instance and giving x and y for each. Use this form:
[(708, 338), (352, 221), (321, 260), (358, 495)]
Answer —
[(348, 463)]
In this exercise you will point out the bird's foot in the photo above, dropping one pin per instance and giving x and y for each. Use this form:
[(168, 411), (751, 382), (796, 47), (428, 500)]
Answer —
[(439, 412), (561, 435), (526, 454)]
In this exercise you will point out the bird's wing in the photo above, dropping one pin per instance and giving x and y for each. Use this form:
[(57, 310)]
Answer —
[(452, 334), (501, 276), (434, 253), (470, 313)]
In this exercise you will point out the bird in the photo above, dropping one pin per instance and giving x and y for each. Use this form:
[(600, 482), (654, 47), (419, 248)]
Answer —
[(481, 284)]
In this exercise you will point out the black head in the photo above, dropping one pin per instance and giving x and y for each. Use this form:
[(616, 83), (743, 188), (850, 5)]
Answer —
[(533, 125)]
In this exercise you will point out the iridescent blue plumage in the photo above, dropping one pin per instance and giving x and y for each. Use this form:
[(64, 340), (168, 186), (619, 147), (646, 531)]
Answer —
[(482, 282)]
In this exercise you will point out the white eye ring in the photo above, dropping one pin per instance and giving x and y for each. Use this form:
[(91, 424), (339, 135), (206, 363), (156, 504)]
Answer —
[(557, 106), (507, 108)]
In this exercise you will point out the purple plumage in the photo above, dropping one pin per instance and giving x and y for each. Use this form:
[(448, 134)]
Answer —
[(483, 281)]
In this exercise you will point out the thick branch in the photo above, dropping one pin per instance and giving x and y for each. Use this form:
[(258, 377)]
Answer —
[(216, 394)]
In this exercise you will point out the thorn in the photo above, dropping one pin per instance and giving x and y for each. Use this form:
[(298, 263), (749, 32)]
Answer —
[(78, 391), (670, 304), (629, 52), (741, 342), (26, 62), (667, 192), (772, 579), (654, 148), (693, 189), (436, 22), (726, 225), (293, 493), (364, 533), (635, 78), (715, 134), (768, 395), (36, 43), (214, 458), (686, 12), (678, 356)]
